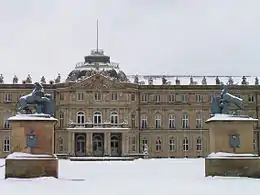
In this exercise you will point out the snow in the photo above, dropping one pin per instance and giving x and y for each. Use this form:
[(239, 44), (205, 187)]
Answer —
[(229, 117), (21, 155), (37, 117), (153, 177), (231, 155)]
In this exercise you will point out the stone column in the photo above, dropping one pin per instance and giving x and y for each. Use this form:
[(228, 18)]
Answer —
[(69, 142), (72, 143), (109, 143), (123, 144), (89, 143), (105, 144)]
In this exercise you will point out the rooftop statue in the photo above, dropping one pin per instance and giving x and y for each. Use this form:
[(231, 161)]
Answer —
[(43, 102), (220, 104)]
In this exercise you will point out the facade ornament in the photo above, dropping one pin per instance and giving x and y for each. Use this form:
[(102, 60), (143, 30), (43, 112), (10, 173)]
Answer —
[(136, 79), (244, 82), (230, 81), (57, 80), (150, 81), (15, 79), (28, 80), (164, 80), (43, 80), (204, 81), (256, 81), (217, 81), (177, 81), (1, 78)]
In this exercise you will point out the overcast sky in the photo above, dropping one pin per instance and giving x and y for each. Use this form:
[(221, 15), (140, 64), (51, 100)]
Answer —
[(194, 37)]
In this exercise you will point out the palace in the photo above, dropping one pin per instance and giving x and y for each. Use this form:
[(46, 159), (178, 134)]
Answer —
[(103, 112)]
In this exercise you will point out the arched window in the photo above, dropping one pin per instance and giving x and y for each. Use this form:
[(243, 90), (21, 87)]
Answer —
[(185, 144), (97, 118), (171, 144), (6, 124), (81, 118), (185, 121), (158, 121), (114, 118), (158, 145), (172, 121), (61, 119), (199, 144), (198, 120)]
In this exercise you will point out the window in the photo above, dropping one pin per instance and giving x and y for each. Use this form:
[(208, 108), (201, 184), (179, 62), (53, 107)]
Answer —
[(185, 121), (61, 120), (6, 124), (114, 118), (254, 144), (80, 118), (97, 118), (185, 144), (157, 121), (144, 142), (62, 96), (80, 96), (132, 144), (171, 144), (144, 98), (6, 144), (97, 96), (7, 97), (211, 98), (199, 144), (198, 121), (185, 98), (157, 98), (158, 145), (144, 122), (198, 98), (171, 98), (251, 98), (133, 97), (114, 96), (171, 121), (61, 144)]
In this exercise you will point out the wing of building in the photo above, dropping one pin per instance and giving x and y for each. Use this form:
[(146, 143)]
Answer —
[(102, 111)]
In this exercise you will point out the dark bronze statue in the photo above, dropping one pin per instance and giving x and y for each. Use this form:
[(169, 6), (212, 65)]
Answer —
[(43, 102)]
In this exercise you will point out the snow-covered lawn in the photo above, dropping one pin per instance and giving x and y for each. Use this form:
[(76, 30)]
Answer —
[(160, 176)]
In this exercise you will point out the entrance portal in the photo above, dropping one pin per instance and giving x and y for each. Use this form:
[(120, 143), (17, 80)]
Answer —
[(98, 144), (80, 144), (116, 144)]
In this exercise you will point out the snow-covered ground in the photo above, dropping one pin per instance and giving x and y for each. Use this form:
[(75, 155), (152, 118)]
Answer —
[(161, 176)]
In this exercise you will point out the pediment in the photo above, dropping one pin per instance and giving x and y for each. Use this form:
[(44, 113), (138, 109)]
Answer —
[(98, 82)]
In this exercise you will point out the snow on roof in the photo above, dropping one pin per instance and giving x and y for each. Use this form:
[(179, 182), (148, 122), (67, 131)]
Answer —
[(220, 155), (21, 155), (229, 117), (32, 117)]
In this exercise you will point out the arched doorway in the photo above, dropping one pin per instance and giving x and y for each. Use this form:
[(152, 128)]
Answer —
[(115, 144), (80, 144), (98, 144)]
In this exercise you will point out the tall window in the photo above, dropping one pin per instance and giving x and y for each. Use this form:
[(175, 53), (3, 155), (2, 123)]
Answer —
[(80, 118), (171, 121), (61, 144), (198, 144), (171, 144), (185, 144), (97, 96), (6, 144), (61, 119), (114, 118), (144, 122), (80, 96), (198, 98), (157, 98), (6, 124), (158, 145), (251, 98), (171, 98), (185, 121), (114, 96), (144, 142), (7, 97), (185, 98), (97, 118), (254, 144), (198, 120), (144, 98), (158, 121)]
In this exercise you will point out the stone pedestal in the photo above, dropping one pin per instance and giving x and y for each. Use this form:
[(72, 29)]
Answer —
[(225, 131), (40, 126), (32, 147)]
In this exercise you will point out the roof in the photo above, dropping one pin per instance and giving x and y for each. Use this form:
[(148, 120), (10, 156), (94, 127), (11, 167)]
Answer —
[(229, 117)]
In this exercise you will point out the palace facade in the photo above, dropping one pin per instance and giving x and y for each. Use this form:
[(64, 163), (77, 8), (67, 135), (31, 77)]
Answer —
[(103, 112)]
